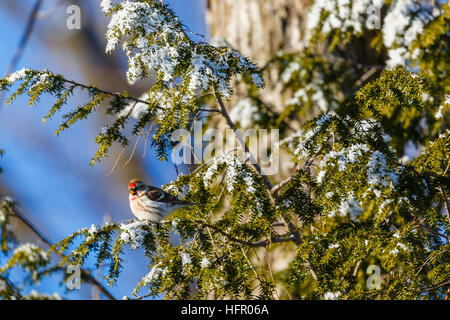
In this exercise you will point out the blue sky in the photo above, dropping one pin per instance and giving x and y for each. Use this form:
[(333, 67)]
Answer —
[(51, 186)]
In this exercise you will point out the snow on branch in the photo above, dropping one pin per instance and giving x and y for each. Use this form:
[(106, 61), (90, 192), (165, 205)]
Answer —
[(403, 24), (154, 40), (156, 45)]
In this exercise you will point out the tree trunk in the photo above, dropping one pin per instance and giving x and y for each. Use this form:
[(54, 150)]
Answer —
[(259, 29)]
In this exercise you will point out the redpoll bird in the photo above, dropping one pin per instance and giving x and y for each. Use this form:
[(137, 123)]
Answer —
[(152, 203)]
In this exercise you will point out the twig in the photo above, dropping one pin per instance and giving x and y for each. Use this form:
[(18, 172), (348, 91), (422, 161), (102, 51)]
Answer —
[(117, 160), (357, 267), (435, 233), (444, 197), (366, 76), (283, 183), (268, 63), (436, 286), (252, 267), (11, 286), (109, 93), (133, 151), (23, 41), (280, 185), (429, 260), (260, 243), (144, 296), (84, 272), (269, 263), (209, 110), (446, 169), (279, 224), (298, 240), (230, 122), (146, 140)]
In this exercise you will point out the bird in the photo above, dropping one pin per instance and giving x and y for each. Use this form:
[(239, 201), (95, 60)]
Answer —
[(152, 203)]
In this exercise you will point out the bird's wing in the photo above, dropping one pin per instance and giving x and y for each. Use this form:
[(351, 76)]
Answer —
[(159, 195)]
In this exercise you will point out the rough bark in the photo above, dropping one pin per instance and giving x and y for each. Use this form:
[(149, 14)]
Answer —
[(259, 29)]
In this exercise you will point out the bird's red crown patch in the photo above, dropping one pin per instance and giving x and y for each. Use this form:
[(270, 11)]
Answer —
[(132, 185)]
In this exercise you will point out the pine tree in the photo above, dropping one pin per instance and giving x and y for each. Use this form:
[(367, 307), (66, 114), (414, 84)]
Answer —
[(353, 199)]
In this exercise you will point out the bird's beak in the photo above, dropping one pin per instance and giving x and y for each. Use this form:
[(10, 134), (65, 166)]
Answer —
[(133, 192)]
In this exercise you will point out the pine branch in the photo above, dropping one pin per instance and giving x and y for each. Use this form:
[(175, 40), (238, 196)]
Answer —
[(241, 141), (298, 240), (84, 272), (444, 283), (109, 93), (12, 287), (275, 189), (144, 296), (260, 243)]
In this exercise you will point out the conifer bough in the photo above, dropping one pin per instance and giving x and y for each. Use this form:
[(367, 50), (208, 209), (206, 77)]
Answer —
[(354, 200)]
